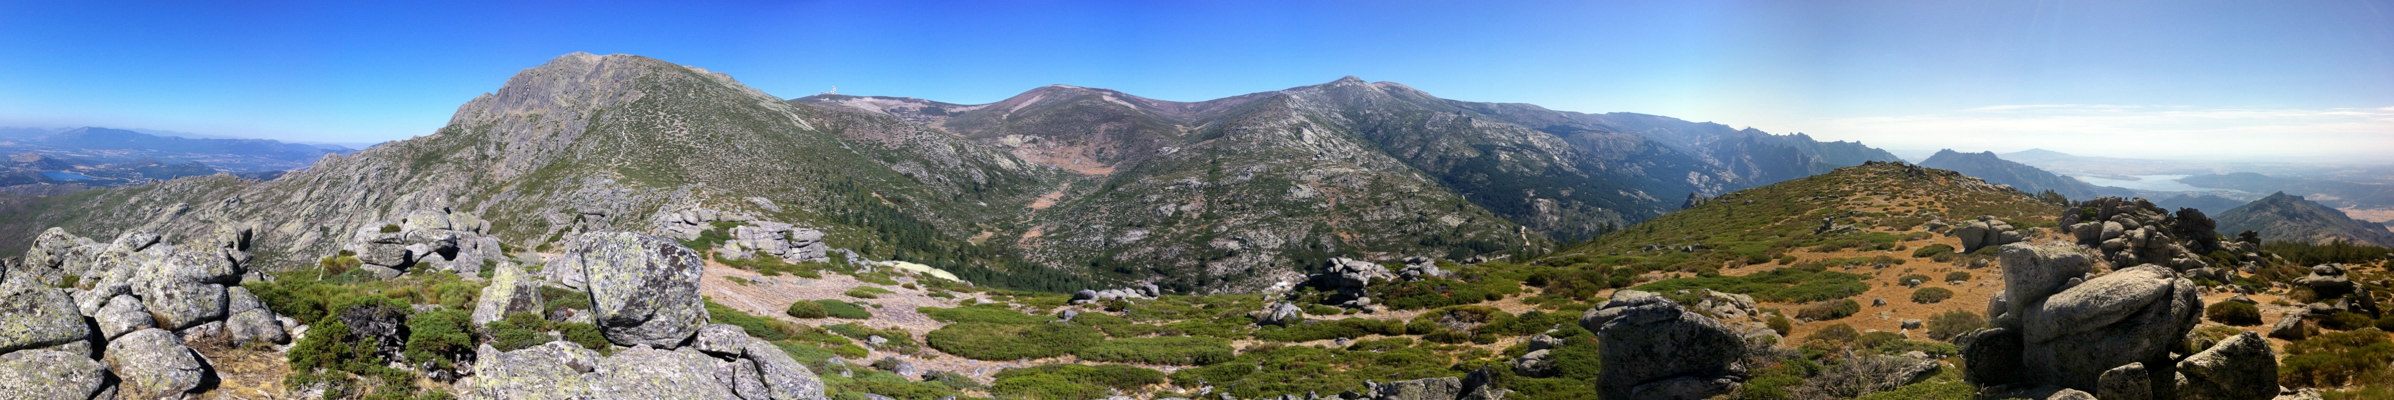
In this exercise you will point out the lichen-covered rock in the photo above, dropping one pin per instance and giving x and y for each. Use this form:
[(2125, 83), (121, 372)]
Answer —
[(2239, 368), (784, 376), (2126, 382), (123, 314), (721, 340), (646, 373), (256, 326), (154, 364), (183, 287), (1647, 340), (45, 374), (556, 370), (38, 317), (643, 288), (510, 291), (2291, 327)]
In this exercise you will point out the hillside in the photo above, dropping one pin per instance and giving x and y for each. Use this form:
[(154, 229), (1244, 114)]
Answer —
[(2291, 218), (1052, 189), (2003, 172)]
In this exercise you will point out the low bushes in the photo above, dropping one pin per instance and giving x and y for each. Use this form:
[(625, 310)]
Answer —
[(437, 340), (1829, 310), (1325, 330), (999, 342), (1951, 324), (1070, 381), (1179, 350), (1931, 295), (989, 313), (2338, 358), (2233, 313), (867, 292), (1957, 276), (827, 308), (1939, 252)]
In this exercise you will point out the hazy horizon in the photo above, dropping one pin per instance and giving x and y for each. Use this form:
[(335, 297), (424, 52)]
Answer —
[(2203, 80)]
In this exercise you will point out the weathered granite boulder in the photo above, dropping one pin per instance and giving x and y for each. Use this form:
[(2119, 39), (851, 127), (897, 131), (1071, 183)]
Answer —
[(250, 321), (123, 314), (1282, 314), (2126, 382), (2328, 281), (1474, 386), (38, 317), (556, 370), (1347, 273), (510, 291), (154, 364), (45, 374), (430, 239), (2291, 327), (1654, 349), (2056, 327), (2134, 231), (2241, 367), (646, 373), (643, 288), (1985, 232)]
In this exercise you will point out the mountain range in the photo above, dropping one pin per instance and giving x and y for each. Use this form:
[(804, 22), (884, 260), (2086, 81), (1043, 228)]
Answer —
[(1988, 166), (2288, 217), (106, 145), (1220, 195)]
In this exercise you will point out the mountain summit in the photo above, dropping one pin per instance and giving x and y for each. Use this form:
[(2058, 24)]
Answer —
[(1230, 194), (2288, 217)]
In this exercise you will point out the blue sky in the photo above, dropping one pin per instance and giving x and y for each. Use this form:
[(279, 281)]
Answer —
[(2231, 79)]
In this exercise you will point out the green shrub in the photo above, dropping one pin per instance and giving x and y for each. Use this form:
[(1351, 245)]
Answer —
[(760, 327), (995, 342), (2336, 359), (807, 309), (518, 331), (1951, 324), (867, 292), (2233, 313), (1181, 350), (1070, 381), (556, 298), (1940, 252), (437, 340), (844, 310), (1957, 276), (1829, 310), (583, 334), (897, 340), (1912, 280), (1780, 324), (1931, 295), (1326, 330), (990, 313), (390, 228), (2347, 320)]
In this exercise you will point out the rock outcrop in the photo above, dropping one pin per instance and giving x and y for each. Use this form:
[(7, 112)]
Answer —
[(2054, 325), (1474, 386), (1985, 232), (85, 318), (1281, 314), (646, 292), (1653, 349), (437, 240), (510, 291), (748, 235), (644, 289), (2134, 232), (2241, 367)]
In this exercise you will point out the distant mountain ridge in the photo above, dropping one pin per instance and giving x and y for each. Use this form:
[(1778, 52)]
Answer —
[(107, 145), (2291, 218), (1057, 184), (1995, 169)]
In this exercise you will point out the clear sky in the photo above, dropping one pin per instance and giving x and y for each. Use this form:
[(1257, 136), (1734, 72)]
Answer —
[(2294, 80)]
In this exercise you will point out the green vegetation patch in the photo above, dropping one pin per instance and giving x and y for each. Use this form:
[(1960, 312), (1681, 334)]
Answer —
[(2336, 359), (2233, 313), (1072, 381), (1178, 350), (999, 342)]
